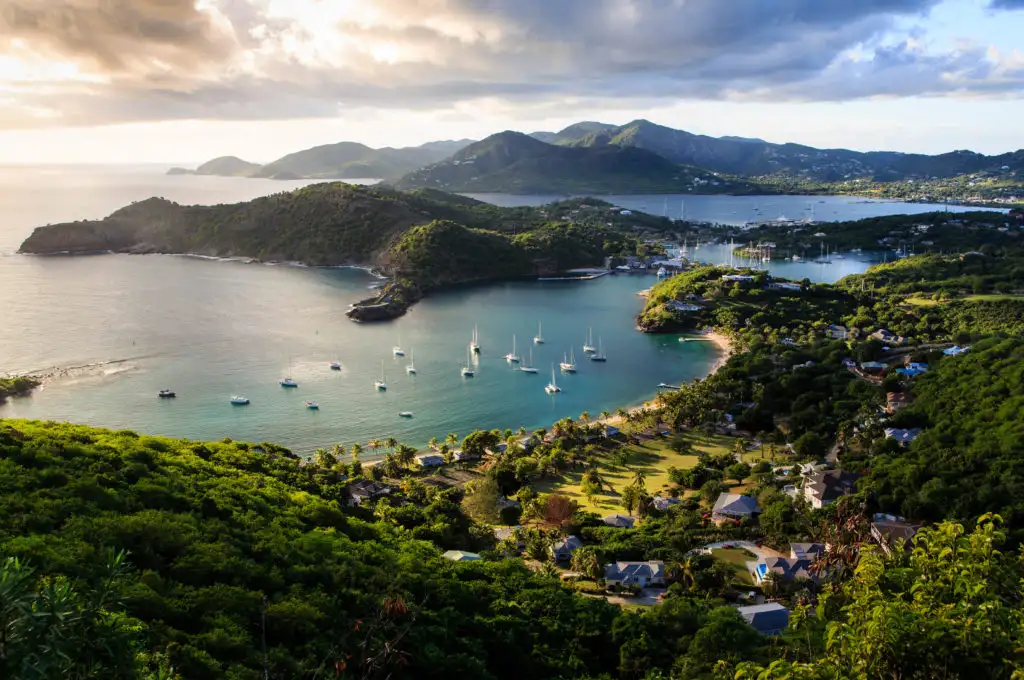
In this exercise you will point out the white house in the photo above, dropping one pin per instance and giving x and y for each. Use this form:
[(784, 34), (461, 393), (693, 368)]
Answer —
[(641, 574), (430, 460)]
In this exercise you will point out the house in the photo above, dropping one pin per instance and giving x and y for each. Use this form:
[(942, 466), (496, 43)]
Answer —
[(766, 619), (460, 556), (504, 533), (562, 550), (824, 487), (663, 503), (903, 436), (784, 285), (806, 551), (889, 530), (787, 569), (641, 574), (620, 521), (837, 332), (887, 337), (732, 506), (460, 455), (894, 401), (738, 277), (611, 431), (874, 367), (363, 490), (677, 306), (913, 369), (430, 460)]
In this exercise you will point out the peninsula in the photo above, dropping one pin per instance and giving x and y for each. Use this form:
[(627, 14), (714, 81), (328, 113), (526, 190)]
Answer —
[(422, 239)]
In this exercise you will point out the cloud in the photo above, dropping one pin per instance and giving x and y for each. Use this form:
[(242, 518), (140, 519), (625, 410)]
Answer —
[(1006, 4), (136, 60)]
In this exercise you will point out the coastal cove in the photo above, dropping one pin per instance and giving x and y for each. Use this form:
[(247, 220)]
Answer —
[(210, 329)]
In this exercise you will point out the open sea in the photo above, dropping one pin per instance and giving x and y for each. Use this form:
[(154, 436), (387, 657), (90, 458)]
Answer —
[(111, 330)]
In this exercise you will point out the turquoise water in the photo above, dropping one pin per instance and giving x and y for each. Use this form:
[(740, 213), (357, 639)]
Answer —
[(210, 329), (114, 329)]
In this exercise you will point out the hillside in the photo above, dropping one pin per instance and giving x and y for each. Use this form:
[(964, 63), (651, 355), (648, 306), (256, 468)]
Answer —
[(225, 166), (516, 163), (755, 157), (343, 160)]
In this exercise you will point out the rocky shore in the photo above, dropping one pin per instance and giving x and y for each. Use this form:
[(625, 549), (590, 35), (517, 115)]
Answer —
[(391, 302)]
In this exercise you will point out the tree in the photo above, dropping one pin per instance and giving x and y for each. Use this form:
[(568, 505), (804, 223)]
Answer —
[(405, 454), (356, 450), (391, 443), (739, 472), (630, 498), (711, 490), (559, 510), (481, 500), (639, 479), (585, 416), (585, 561), (434, 443), (452, 439)]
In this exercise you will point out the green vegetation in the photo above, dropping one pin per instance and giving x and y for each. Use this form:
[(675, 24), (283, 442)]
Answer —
[(736, 560), (512, 162), (16, 387)]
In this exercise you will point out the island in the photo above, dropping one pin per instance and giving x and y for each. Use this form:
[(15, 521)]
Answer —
[(18, 386)]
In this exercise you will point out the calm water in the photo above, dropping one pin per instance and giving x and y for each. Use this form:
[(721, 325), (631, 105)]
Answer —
[(741, 209), (209, 329)]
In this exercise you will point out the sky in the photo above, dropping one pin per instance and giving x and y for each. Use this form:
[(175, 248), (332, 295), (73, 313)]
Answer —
[(134, 81)]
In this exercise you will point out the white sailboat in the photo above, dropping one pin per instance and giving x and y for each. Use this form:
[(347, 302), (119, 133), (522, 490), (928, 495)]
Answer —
[(539, 338), (599, 355), (512, 357), (411, 368), (588, 346), (568, 364), (474, 344), (379, 383), (528, 368), (552, 386), (288, 382), (397, 349), (467, 369), (239, 400)]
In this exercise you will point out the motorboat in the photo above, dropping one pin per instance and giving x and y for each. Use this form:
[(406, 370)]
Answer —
[(335, 366), (312, 406), (166, 394), (238, 400), (405, 414)]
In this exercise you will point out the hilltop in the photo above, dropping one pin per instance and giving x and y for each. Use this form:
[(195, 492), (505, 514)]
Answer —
[(342, 160), (516, 163)]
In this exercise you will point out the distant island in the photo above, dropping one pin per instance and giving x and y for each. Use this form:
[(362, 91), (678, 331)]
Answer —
[(422, 239), (642, 157)]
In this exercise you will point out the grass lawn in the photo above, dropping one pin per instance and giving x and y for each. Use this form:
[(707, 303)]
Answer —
[(994, 297), (921, 302), (653, 457), (736, 559)]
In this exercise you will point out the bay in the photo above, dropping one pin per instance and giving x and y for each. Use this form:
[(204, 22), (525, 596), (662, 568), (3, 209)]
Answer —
[(114, 329)]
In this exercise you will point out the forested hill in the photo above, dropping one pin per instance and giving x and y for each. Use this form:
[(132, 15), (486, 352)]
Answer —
[(516, 163)]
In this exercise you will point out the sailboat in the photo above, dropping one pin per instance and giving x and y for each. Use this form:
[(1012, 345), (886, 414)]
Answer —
[(335, 366), (568, 365), (397, 349), (599, 355), (380, 384), (512, 357), (552, 386), (467, 370), (474, 344), (539, 338), (312, 406), (239, 400), (288, 382), (588, 346), (528, 368), (411, 367)]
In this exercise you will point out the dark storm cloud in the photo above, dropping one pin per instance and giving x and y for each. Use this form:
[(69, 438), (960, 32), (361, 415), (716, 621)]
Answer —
[(531, 52)]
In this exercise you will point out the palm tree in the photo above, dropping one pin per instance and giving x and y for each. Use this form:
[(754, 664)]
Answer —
[(374, 444), (322, 458), (622, 413), (522, 431), (585, 561), (391, 443), (771, 584), (452, 438), (434, 443), (685, 573), (356, 450), (390, 465), (406, 454), (604, 415), (585, 416), (639, 479), (338, 450)]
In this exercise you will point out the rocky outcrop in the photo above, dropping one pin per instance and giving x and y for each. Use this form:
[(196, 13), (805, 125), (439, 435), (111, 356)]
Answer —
[(393, 301)]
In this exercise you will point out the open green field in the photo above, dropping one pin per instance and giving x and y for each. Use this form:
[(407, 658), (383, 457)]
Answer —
[(736, 559), (921, 302), (992, 297), (652, 457)]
